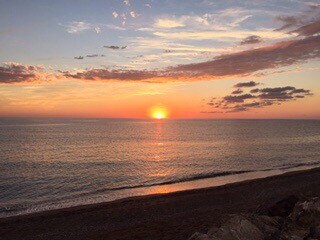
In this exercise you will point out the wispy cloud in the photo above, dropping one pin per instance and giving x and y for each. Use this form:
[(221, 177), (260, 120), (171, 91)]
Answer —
[(235, 64), (81, 26), (97, 29), (231, 34), (168, 23), (148, 5)]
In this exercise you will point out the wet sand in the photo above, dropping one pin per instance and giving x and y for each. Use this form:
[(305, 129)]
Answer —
[(165, 216)]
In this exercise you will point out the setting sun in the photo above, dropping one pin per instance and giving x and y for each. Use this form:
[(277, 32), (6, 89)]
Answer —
[(159, 116), (158, 112)]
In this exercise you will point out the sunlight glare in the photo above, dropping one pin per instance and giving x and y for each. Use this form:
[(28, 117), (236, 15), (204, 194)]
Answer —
[(158, 112)]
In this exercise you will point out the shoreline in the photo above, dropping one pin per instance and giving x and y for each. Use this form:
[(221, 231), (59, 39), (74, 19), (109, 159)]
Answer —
[(164, 216), (168, 188)]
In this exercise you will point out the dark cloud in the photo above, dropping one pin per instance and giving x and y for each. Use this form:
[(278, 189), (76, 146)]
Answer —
[(307, 24), (95, 55), (17, 73), (238, 98), (246, 84), (238, 91), (258, 98), (281, 93), (251, 40), (309, 29), (247, 62), (92, 55), (133, 75), (115, 47), (255, 90), (288, 22), (89, 56), (236, 64)]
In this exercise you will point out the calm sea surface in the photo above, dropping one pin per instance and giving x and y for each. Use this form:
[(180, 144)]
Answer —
[(53, 163)]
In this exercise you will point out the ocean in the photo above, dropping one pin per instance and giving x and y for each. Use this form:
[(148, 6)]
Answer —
[(54, 163)]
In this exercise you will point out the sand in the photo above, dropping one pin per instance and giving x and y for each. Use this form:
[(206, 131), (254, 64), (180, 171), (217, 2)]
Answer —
[(165, 216)]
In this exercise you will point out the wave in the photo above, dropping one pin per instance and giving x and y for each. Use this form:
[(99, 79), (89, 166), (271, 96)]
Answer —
[(295, 165), (177, 180), (206, 176), (17, 208)]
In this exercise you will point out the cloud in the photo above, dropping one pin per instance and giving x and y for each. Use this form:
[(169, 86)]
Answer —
[(237, 21), (246, 84), (124, 18), (147, 5), (251, 40), (288, 22), (133, 14), (131, 75), (247, 62), (219, 34), (114, 27), (17, 73), (306, 24), (236, 99), (95, 55), (126, 2), (309, 29), (257, 98), (115, 47), (115, 14), (238, 64), (89, 56), (168, 23), (238, 91), (78, 27), (97, 29)]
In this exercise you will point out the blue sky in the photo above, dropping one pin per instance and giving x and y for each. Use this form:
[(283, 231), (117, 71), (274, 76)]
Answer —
[(52, 33)]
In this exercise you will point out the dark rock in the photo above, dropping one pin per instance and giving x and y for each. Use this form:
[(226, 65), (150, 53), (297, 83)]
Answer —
[(244, 227), (284, 207), (306, 213), (315, 232)]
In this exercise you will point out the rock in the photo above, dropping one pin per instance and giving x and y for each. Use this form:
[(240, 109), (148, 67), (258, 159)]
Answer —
[(199, 236), (289, 219), (306, 213), (246, 227), (315, 232), (284, 207), (238, 227)]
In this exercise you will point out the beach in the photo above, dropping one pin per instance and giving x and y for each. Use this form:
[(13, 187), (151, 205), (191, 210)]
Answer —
[(174, 215)]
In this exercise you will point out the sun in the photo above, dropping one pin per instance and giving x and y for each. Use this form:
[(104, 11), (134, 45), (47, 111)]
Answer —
[(159, 115), (158, 112)]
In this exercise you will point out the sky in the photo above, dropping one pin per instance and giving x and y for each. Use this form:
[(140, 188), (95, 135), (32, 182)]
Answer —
[(190, 59)]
